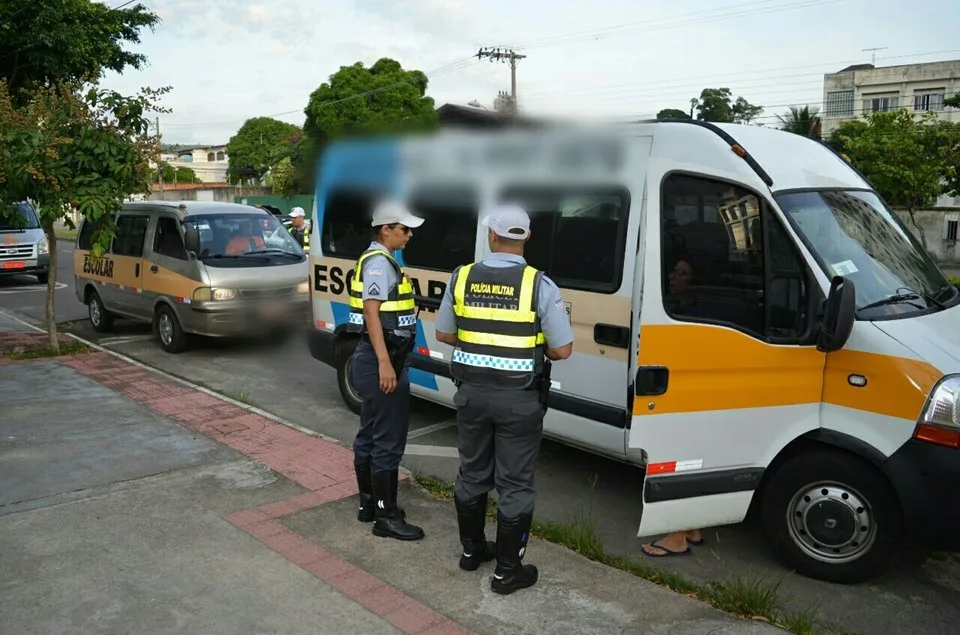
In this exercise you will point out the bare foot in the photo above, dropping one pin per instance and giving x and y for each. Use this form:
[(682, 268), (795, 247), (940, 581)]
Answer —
[(695, 536), (672, 545)]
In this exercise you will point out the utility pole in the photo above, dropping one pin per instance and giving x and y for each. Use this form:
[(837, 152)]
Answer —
[(507, 55), (159, 160), (873, 59)]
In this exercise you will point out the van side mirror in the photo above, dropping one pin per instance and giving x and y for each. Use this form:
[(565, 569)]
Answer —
[(838, 315), (191, 240)]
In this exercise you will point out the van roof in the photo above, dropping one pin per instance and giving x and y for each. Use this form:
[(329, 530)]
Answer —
[(193, 208)]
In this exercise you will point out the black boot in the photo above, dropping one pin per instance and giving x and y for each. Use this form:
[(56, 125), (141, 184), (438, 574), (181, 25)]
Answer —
[(511, 574), (390, 520), (471, 517), (368, 505)]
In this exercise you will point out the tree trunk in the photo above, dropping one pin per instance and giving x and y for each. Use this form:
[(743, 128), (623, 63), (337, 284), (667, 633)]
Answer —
[(923, 236), (51, 287)]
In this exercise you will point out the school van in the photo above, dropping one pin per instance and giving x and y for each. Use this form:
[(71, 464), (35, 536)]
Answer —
[(24, 249), (194, 268), (754, 327)]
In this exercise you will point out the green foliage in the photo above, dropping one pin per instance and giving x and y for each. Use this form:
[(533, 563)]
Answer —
[(180, 174), (66, 40), (953, 101), (282, 183), (907, 158), (802, 121), (718, 105), (381, 99), (672, 113), (260, 144)]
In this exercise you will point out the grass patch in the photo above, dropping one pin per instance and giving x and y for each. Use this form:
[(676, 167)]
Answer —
[(752, 596), (953, 279), (65, 234), (242, 397), (72, 347)]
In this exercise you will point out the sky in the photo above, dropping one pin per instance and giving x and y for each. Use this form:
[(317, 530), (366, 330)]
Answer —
[(231, 60)]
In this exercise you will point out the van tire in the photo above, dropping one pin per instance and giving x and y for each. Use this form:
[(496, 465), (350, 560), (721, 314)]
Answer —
[(857, 500), (345, 350), (100, 318), (172, 338), (43, 278)]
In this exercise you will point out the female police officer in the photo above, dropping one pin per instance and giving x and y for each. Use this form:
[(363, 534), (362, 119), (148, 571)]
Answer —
[(381, 301)]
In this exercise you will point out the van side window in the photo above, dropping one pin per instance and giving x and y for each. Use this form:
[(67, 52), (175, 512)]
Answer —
[(577, 234), (346, 230), (168, 241), (715, 268), (131, 233), (448, 237), (87, 231)]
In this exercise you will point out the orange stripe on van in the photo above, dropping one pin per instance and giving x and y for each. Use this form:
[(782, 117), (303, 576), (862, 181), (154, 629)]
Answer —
[(713, 368)]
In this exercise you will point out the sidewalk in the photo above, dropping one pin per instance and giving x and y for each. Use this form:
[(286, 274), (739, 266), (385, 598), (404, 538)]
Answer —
[(136, 504)]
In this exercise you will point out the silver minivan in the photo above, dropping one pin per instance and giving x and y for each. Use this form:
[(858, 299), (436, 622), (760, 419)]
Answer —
[(194, 268), (24, 248)]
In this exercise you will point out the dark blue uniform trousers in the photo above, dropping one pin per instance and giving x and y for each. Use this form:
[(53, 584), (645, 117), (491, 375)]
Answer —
[(384, 418)]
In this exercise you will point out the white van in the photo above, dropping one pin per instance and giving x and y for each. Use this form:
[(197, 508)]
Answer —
[(24, 249), (753, 324)]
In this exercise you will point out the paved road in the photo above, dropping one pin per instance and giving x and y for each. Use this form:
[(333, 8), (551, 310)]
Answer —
[(920, 596), (25, 295)]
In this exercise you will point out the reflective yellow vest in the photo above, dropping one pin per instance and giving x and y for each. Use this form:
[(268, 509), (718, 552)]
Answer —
[(398, 311), (306, 237), (499, 341)]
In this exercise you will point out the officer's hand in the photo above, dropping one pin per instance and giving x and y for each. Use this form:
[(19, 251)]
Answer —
[(388, 378)]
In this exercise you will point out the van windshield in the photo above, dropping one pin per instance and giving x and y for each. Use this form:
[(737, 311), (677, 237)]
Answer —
[(854, 235), (18, 217), (246, 238)]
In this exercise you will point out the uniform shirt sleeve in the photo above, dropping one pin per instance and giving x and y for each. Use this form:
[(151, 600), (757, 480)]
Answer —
[(376, 278), (446, 321), (552, 311)]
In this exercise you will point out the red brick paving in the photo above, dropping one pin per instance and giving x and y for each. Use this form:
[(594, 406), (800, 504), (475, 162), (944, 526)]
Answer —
[(323, 467)]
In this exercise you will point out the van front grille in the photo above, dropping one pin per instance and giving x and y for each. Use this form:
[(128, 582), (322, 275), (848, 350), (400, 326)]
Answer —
[(264, 294), (16, 252)]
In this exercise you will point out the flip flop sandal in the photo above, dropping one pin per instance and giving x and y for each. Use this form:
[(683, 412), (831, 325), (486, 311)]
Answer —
[(667, 552)]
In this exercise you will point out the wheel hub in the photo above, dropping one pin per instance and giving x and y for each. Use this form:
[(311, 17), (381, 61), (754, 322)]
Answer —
[(166, 329), (95, 312), (831, 522)]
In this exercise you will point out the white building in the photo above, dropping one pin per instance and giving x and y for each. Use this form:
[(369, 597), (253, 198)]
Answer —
[(208, 162), (864, 89)]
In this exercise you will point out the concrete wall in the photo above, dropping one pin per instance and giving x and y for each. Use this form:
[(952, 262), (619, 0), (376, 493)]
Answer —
[(935, 224), (220, 194)]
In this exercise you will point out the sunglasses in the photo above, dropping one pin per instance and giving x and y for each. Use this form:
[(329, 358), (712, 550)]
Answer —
[(403, 228)]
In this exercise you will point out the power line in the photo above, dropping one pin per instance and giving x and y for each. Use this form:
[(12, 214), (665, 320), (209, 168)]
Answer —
[(508, 55), (123, 5), (10, 17)]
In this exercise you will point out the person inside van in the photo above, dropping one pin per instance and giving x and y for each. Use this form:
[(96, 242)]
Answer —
[(244, 240), (679, 300)]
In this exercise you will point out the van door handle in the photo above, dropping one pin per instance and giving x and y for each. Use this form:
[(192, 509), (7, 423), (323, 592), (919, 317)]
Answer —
[(611, 335), (137, 270), (153, 269), (652, 380)]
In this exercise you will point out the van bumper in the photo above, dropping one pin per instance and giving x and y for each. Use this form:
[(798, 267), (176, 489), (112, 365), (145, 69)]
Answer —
[(32, 266), (235, 320), (322, 345), (927, 479)]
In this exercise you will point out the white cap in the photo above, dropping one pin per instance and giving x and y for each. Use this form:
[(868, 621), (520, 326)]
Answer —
[(389, 212), (296, 211), (508, 220)]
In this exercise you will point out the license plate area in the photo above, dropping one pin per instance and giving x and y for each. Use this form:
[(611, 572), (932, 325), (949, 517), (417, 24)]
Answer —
[(13, 264)]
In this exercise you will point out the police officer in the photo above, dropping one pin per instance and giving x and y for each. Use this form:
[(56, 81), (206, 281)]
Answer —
[(299, 229), (382, 308), (505, 319)]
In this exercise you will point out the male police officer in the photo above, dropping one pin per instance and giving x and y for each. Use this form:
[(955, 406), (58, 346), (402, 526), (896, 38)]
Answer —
[(504, 317), (381, 302), (299, 229)]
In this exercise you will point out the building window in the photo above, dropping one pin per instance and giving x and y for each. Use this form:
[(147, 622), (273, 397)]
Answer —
[(727, 260), (211, 157), (448, 237), (880, 103), (839, 104), (168, 241), (578, 234), (929, 101), (346, 230), (220, 156)]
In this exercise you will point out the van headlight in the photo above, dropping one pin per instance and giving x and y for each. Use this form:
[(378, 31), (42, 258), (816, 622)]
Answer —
[(304, 287), (943, 407), (43, 247), (215, 294)]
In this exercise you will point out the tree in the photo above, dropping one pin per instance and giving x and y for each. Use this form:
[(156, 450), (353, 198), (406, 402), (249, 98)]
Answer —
[(258, 145), (802, 121), (717, 105), (672, 113), (282, 183), (180, 174), (910, 160), (71, 146), (953, 101), (66, 40), (356, 100)]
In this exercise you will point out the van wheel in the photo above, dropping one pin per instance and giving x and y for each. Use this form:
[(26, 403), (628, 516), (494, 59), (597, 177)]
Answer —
[(172, 338), (348, 391), (43, 278), (100, 318), (832, 516)]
